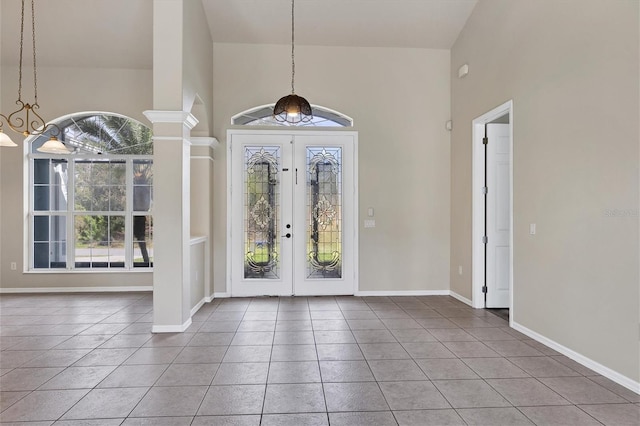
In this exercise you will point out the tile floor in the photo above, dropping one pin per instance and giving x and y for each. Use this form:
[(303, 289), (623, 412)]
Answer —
[(90, 359)]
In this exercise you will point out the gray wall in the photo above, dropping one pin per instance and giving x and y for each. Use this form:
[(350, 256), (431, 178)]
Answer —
[(124, 91), (399, 99), (571, 68)]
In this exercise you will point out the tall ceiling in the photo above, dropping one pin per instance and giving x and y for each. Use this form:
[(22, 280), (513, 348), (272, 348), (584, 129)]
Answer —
[(118, 33)]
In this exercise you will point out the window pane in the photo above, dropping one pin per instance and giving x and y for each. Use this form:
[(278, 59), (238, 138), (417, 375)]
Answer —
[(117, 198), (118, 173), (99, 241), (58, 255), (58, 228), (41, 171), (90, 230), (142, 241), (41, 255), (58, 246), (144, 168), (41, 198), (116, 242), (83, 172), (142, 181), (83, 194), (41, 228), (50, 236), (59, 198), (100, 176), (83, 198)]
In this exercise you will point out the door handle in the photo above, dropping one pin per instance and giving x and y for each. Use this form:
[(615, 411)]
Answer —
[(287, 235)]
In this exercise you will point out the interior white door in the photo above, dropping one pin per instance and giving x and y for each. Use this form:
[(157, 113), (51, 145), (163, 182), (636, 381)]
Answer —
[(498, 222), (292, 213)]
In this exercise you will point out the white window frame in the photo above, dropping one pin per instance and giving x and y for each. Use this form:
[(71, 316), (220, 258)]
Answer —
[(70, 213)]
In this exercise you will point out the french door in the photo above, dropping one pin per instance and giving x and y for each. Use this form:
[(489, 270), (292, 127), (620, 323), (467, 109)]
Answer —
[(293, 205)]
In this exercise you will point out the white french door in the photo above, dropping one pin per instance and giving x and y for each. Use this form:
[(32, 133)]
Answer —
[(293, 205)]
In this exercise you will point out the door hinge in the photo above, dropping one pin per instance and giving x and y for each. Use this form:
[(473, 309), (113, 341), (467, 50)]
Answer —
[(485, 239), (485, 140), (484, 288), (485, 190)]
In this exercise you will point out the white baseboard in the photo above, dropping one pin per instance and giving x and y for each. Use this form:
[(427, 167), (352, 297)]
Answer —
[(75, 289), (403, 293), (461, 298), (208, 299), (197, 306), (221, 295), (171, 328), (581, 359)]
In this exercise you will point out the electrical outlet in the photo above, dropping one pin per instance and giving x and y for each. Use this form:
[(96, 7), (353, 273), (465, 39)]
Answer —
[(459, 270), (14, 266)]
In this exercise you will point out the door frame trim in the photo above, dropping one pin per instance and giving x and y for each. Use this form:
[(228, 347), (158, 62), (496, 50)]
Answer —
[(477, 203), (293, 132)]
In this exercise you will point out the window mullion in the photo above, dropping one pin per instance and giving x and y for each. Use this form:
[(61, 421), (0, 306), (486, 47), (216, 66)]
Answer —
[(70, 214), (128, 216)]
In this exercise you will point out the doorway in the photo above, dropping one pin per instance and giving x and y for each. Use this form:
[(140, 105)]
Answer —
[(292, 218), (492, 222)]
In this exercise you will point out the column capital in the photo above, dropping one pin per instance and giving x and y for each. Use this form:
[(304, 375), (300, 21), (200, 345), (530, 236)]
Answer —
[(185, 118)]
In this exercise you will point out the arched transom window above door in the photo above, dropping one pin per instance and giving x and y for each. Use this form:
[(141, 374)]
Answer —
[(263, 116)]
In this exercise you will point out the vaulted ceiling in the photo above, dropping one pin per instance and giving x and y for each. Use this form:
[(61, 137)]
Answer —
[(118, 33)]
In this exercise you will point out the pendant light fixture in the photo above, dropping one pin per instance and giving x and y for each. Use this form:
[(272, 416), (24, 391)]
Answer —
[(26, 119), (292, 108)]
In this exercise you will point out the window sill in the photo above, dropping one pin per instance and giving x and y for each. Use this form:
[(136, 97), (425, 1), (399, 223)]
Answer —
[(88, 271)]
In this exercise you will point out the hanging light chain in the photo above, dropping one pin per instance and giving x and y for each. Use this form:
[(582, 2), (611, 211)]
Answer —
[(33, 34), (20, 63), (293, 58)]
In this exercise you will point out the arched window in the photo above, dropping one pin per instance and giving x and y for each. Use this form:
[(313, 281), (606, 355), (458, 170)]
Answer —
[(263, 116), (92, 209)]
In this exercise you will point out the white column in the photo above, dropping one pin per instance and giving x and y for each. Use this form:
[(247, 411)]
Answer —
[(171, 219)]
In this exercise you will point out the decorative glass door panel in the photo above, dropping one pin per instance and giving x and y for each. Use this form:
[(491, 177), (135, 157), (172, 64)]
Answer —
[(324, 213), (261, 212), (292, 213)]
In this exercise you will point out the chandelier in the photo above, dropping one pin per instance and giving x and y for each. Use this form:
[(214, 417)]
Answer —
[(292, 108), (25, 119)]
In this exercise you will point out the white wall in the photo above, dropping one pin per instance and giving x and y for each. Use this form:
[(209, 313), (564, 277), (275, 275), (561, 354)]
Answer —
[(62, 91), (399, 99), (571, 68)]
